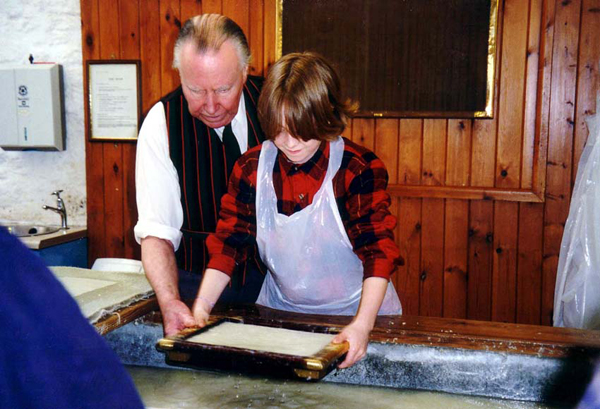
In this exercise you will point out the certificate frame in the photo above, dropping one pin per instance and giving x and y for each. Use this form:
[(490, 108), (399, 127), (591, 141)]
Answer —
[(114, 100)]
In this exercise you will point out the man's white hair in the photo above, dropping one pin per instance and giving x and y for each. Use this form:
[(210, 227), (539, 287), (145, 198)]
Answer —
[(208, 32)]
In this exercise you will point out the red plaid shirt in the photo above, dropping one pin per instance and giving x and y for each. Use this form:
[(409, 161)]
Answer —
[(359, 187)]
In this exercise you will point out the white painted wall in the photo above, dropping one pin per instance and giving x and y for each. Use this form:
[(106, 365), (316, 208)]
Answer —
[(51, 32)]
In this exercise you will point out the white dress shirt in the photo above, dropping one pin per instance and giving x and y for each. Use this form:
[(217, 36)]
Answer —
[(157, 183)]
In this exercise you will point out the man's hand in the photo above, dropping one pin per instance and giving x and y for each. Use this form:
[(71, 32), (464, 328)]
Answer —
[(357, 335), (176, 316), (158, 258)]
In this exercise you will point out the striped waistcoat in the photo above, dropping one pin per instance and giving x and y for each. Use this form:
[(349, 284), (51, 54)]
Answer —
[(199, 157)]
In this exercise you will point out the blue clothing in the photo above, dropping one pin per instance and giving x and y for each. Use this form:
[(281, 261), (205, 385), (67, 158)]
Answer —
[(591, 397), (50, 356)]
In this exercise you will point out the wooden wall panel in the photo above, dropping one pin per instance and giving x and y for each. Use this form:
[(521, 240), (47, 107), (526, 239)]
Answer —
[(129, 33), (530, 150), (256, 36), (587, 75), (475, 242), (560, 142), (170, 23), (386, 147), (238, 11), (112, 152), (511, 101), (150, 54), (457, 221), (211, 6), (409, 154), (190, 9), (431, 292), (434, 152), (529, 263), (479, 270), (530, 233), (408, 231), (432, 233), (408, 236), (504, 273), (481, 215), (363, 132), (270, 33), (455, 258), (90, 33), (348, 130)]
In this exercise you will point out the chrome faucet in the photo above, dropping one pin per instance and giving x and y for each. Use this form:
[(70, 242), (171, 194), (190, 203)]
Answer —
[(60, 209)]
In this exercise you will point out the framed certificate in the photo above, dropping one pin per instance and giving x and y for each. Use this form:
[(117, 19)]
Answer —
[(114, 98)]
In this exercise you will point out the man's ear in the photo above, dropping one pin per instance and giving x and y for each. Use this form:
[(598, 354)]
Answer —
[(245, 73)]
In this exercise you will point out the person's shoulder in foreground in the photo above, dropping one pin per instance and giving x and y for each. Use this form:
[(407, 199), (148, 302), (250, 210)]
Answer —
[(51, 357)]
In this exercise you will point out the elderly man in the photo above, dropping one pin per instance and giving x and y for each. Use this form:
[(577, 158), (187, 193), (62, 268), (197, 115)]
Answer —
[(187, 146)]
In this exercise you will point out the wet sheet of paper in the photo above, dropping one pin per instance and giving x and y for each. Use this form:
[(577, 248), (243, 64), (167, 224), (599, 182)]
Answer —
[(99, 293), (260, 338)]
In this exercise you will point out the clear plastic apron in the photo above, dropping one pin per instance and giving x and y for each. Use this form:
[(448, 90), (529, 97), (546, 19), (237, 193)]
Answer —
[(312, 267)]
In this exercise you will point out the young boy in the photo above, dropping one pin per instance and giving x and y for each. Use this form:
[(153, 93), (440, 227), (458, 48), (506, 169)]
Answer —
[(316, 205)]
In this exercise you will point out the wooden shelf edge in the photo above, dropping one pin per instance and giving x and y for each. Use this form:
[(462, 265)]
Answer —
[(465, 192)]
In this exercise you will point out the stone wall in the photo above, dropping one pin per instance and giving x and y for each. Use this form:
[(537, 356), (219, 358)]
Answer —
[(51, 32)]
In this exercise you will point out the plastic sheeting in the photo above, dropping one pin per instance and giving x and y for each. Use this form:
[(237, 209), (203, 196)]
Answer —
[(577, 292)]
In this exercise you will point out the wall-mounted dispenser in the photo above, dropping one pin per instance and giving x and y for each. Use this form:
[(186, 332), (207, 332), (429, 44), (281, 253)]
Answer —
[(31, 107)]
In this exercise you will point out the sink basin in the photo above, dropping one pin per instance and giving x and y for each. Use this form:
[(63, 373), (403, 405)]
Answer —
[(31, 230)]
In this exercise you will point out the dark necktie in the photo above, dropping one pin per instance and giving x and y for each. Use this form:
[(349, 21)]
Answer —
[(232, 148)]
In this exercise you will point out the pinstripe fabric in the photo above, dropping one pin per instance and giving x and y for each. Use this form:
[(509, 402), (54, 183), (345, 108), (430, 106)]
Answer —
[(199, 157)]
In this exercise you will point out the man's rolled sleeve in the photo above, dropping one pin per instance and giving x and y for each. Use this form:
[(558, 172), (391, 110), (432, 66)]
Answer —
[(158, 195), (144, 229)]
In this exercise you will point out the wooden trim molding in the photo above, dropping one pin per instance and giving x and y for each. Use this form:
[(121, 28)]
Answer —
[(465, 192)]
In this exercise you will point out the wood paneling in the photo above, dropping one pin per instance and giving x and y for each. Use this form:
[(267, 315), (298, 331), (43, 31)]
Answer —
[(480, 256), (408, 230), (150, 54), (587, 75), (432, 234), (255, 36), (169, 23), (481, 203), (511, 99), (504, 267), (529, 263), (457, 220), (190, 9), (129, 30), (560, 141), (90, 34)]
